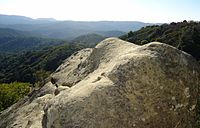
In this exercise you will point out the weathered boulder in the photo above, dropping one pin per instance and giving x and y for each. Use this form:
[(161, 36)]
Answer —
[(116, 84)]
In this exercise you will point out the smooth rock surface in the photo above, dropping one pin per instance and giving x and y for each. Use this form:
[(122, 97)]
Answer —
[(115, 85)]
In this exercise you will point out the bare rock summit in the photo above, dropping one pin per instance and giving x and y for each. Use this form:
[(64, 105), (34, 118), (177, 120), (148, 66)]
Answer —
[(117, 84)]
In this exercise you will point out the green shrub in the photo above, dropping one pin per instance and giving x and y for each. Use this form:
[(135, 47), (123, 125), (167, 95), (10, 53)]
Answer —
[(11, 93)]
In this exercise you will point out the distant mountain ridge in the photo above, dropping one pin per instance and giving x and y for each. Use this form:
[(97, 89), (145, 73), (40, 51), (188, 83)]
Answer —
[(69, 30), (15, 19), (15, 41)]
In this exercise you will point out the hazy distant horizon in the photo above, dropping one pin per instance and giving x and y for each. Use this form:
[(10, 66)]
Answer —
[(154, 11), (42, 18), (96, 20)]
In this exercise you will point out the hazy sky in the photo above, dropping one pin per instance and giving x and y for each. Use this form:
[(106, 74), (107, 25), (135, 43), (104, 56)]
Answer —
[(95, 10)]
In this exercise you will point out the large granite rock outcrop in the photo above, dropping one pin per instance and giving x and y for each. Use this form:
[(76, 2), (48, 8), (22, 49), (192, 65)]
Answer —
[(115, 85)]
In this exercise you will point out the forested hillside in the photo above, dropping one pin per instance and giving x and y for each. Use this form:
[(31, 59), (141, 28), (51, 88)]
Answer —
[(31, 66), (183, 35)]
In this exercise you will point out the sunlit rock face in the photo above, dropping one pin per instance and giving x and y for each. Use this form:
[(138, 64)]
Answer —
[(117, 84)]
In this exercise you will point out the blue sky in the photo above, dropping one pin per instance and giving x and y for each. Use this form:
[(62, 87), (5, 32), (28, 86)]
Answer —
[(157, 11)]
